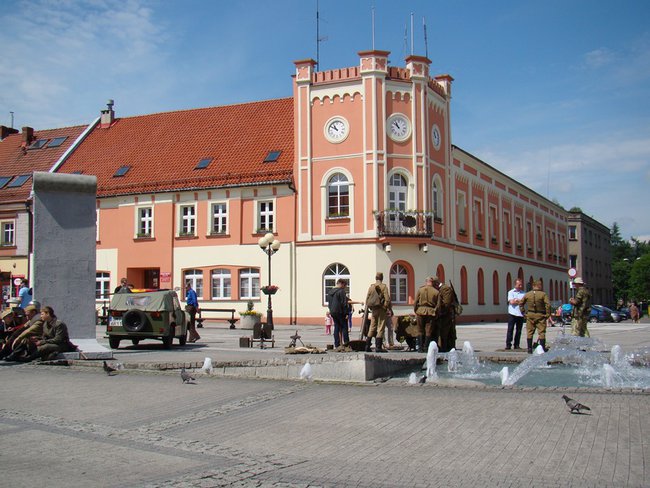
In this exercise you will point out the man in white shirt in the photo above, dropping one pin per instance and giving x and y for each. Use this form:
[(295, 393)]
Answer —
[(515, 317)]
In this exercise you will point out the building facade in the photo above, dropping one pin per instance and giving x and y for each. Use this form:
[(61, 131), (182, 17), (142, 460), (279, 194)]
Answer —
[(590, 254), (355, 173)]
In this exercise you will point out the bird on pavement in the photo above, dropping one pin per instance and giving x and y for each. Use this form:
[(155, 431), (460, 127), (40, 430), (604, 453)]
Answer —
[(186, 377), (382, 380), (423, 380), (109, 369), (574, 407)]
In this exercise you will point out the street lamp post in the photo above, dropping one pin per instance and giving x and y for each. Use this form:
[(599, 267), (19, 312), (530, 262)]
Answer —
[(270, 246)]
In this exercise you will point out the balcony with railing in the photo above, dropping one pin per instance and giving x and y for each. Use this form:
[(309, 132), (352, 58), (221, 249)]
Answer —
[(404, 223)]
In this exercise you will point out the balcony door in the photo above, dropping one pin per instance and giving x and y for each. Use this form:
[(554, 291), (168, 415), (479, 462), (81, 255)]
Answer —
[(397, 193)]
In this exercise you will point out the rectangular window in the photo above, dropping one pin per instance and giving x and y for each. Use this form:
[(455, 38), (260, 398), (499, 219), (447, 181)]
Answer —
[(539, 240), (8, 233), (102, 285), (507, 228), (478, 218), (221, 284), (518, 231), (460, 212), (265, 217), (249, 283), (573, 261), (219, 218), (492, 222), (573, 232), (529, 236), (145, 222), (188, 220)]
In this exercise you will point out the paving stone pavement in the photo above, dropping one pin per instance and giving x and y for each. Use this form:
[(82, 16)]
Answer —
[(76, 426)]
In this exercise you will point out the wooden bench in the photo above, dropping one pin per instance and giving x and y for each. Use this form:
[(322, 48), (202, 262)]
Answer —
[(231, 311)]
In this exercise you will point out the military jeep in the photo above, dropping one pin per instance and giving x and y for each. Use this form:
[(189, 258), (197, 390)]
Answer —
[(146, 315)]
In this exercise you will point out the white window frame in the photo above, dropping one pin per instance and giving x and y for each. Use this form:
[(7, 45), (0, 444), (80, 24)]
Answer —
[(264, 215), (102, 285), (218, 221), (518, 232), (221, 284), (249, 283), (398, 282), (331, 275), (8, 229), (436, 198), (97, 225), (186, 223), (335, 188), (195, 277), (493, 219), (507, 227), (476, 217), (140, 229)]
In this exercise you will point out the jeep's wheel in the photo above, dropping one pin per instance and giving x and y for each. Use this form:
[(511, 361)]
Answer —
[(114, 342), (134, 320), (182, 340), (168, 339), (135, 342)]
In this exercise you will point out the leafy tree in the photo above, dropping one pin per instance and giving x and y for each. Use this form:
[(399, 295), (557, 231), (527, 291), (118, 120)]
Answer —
[(640, 278), (620, 249), (621, 279), (576, 210)]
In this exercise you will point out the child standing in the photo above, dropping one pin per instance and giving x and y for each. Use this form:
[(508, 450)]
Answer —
[(329, 321)]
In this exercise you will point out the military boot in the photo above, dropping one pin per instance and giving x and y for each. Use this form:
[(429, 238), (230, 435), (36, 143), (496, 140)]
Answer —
[(542, 342), (530, 345), (368, 344), (379, 345), (420, 341)]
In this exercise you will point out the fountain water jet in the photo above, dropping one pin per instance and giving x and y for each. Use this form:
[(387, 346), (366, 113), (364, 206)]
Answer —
[(432, 358)]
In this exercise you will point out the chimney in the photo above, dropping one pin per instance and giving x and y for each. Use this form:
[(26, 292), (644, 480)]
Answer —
[(28, 136), (108, 115), (6, 131)]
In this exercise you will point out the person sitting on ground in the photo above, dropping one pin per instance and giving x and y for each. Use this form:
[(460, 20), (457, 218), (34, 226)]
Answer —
[(33, 316), (8, 325), (55, 339)]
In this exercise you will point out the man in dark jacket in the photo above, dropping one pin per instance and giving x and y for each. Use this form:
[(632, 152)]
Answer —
[(338, 303)]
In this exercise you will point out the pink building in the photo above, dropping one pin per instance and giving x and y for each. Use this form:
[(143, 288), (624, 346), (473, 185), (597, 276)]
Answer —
[(356, 173)]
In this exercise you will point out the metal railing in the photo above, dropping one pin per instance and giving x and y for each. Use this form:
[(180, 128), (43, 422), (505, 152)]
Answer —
[(404, 223)]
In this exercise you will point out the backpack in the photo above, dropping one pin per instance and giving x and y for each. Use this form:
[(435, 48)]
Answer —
[(376, 299)]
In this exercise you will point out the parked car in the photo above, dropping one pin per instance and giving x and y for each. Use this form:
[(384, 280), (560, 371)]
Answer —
[(146, 315), (624, 313), (601, 314)]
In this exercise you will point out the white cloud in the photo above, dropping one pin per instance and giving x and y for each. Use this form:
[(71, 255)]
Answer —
[(599, 57)]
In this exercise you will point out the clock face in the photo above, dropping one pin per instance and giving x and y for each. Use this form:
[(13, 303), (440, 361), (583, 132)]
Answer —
[(336, 129), (398, 127), (435, 137)]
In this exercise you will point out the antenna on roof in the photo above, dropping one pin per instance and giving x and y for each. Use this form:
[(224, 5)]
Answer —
[(426, 42), (411, 33), (12, 119), (373, 27), (405, 39), (319, 39)]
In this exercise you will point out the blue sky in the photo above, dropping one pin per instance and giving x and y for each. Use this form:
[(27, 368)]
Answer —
[(553, 93)]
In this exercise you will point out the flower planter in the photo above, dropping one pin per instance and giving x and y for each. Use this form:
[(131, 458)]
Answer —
[(269, 292), (249, 321)]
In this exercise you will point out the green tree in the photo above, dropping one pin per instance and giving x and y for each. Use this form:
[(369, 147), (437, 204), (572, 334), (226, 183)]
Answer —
[(640, 278), (620, 249), (621, 279)]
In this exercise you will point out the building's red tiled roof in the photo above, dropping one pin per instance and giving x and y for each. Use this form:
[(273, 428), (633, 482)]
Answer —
[(163, 149), (14, 161)]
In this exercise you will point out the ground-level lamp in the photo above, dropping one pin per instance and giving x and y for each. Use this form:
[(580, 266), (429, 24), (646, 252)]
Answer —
[(270, 246)]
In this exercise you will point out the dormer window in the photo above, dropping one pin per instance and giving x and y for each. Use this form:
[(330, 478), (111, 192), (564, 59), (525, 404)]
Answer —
[(204, 163), (38, 144), (57, 141), (272, 156)]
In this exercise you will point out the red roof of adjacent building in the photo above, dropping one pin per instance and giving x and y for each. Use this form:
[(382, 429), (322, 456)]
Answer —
[(17, 159), (162, 150)]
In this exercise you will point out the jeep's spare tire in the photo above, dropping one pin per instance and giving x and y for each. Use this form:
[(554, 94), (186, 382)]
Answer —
[(134, 320)]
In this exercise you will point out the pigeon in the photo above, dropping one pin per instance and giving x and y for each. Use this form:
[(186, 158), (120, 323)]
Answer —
[(574, 406), (382, 380), (109, 369), (186, 377), (423, 380)]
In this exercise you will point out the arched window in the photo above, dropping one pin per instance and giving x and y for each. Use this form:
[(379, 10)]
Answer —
[(331, 275), (463, 286), (520, 275), (398, 283), (436, 199), (397, 192), (480, 285), (508, 283), (440, 273), (495, 288), (249, 283), (338, 196), (221, 283), (195, 277)]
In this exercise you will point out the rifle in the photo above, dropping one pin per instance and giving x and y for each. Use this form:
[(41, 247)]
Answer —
[(458, 308)]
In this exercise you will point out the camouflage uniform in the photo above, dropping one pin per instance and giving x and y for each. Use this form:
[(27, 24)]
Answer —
[(536, 307), (581, 312), (445, 319), (426, 300)]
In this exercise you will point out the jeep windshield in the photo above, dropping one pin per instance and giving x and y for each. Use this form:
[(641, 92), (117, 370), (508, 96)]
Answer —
[(153, 301)]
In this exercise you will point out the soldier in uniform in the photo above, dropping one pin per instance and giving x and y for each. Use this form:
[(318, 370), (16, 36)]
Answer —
[(20, 333), (424, 307), (445, 317), (536, 308), (378, 313), (55, 338), (581, 309)]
